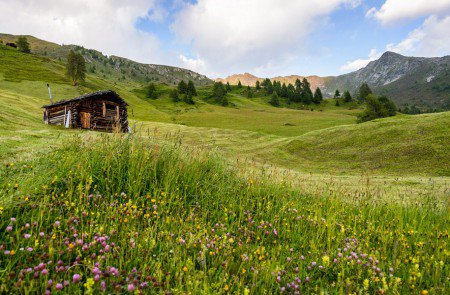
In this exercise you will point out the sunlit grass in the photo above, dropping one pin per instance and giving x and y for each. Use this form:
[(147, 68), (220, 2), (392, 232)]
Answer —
[(122, 214)]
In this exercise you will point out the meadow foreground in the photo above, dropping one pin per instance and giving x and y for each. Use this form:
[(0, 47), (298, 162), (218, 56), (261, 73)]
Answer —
[(121, 214)]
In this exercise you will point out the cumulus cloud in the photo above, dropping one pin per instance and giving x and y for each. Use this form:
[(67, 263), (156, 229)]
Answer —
[(194, 64), (360, 63), (106, 25), (397, 10), (233, 36), (430, 39)]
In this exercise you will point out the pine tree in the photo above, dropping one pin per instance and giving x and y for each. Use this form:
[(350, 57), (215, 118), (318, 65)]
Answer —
[(191, 89), (76, 67), (239, 84), (182, 87), (337, 94), (151, 91), (258, 86), (249, 92), (364, 91), (23, 45), (274, 100), (284, 91), (228, 87), (174, 95), (307, 95), (318, 97), (347, 96)]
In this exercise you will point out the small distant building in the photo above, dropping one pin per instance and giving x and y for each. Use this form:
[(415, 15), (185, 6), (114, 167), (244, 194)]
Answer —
[(102, 111)]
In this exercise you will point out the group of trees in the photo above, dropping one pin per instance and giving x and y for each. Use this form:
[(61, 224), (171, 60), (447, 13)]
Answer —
[(220, 92), (299, 93), (187, 91), (377, 107)]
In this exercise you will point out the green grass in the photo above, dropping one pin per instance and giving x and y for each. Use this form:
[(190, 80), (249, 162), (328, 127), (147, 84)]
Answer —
[(417, 144), (123, 213), (210, 199)]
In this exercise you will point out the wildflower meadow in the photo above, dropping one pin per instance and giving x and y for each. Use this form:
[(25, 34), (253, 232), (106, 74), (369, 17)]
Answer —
[(121, 215)]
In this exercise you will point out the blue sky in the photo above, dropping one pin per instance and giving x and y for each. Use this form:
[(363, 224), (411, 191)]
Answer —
[(218, 38)]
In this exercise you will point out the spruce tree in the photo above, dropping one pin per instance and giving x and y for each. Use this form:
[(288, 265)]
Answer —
[(182, 87), (347, 96), (318, 97), (23, 45), (174, 95), (258, 86), (151, 91), (228, 87), (75, 67), (191, 88), (274, 100), (239, 84), (364, 91), (337, 94)]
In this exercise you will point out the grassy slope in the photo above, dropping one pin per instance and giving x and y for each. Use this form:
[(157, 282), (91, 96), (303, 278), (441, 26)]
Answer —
[(253, 129), (409, 143)]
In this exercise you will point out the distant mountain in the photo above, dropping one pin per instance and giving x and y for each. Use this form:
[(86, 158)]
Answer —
[(113, 66), (249, 79), (419, 81)]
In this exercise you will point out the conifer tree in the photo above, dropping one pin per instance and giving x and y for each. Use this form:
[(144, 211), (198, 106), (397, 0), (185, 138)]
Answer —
[(75, 67), (191, 88), (23, 45), (318, 97)]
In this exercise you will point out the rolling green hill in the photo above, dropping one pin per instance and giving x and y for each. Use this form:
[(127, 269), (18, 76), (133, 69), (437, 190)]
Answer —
[(113, 67), (403, 143)]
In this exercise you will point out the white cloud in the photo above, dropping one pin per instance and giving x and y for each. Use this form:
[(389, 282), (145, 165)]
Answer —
[(430, 39), (105, 25), (397, 10), (245, 35), (360, 63), (197, 65)]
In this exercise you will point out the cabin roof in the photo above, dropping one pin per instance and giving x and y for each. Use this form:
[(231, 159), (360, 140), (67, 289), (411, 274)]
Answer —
[(92, 95)]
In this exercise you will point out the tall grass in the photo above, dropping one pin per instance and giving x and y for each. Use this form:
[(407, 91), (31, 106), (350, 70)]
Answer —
[(122, 214)]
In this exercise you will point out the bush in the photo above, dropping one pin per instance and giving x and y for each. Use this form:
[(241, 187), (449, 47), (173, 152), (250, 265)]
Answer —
[(377, 107)]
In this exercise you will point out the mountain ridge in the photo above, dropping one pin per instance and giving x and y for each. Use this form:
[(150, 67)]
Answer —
[(408, 80)]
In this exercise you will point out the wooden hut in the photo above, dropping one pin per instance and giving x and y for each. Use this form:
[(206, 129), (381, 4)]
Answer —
[(102, 111)]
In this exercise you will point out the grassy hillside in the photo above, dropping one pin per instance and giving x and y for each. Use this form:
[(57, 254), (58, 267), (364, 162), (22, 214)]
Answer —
[(416, 144), (244, 199), (124, 214), (114, 68)]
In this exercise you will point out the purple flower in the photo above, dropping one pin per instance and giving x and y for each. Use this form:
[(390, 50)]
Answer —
[(26, 236), (307, 279), (44, 272), (59, 286), (76, 278), (275, 232), (13, 219), (103, 285), (107, 248), (41, 234), (49, 283), (9, 228), (29, 249), (7, 252), (313, 263), (57, 223), (130, 288)]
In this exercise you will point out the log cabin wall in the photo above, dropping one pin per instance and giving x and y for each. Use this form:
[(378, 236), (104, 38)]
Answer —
[(106, 112)]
